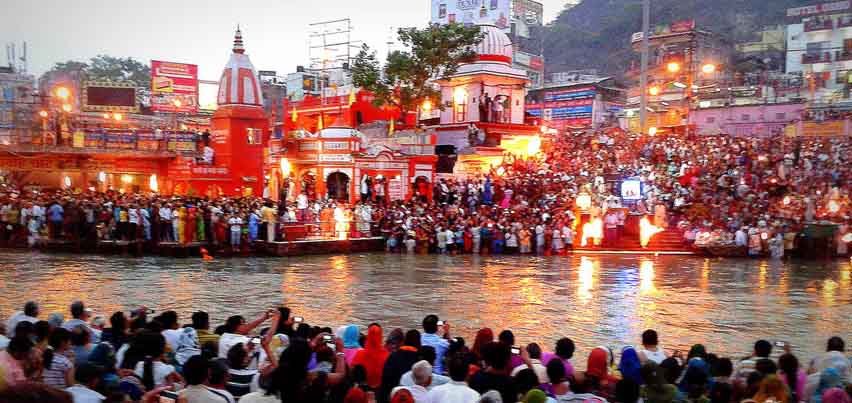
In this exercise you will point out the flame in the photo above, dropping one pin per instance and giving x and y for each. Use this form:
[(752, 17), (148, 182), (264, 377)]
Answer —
[(592, 229), (646, 231), (341, 225)]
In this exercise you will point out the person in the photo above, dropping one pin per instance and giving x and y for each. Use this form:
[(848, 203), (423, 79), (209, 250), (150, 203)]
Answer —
[(117, 334), (398, 363), (235, 330), (80, 318), (457, 390), (422, 375), (559, 385), (55, 216), (236, 224), (152, 370), (373, 356), (169, 320), (597, 378), (32, 392), (58, 369), (834, 357), (206, 338), (540, 370), (651, 351), (240, 376), (426, 353), (630, 365), (14, 358), (655, 388), (440, 344), (483, 337), (495, 376), (84, 391), (828, 378), (270, 217), (196, 373), (351, 343), (762, 350), (772, 389), (627, 391), (29, 314), (81, 345), (563, 352), (794, 377)]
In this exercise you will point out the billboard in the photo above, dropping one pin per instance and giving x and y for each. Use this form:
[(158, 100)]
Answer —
[(527, 15), (174, 87), (109, 97), (489, 12)]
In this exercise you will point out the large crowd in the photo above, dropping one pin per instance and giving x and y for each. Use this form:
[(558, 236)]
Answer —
[(280, 357), (758, 194)]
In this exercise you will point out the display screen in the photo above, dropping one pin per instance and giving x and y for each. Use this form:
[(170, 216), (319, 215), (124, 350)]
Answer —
[(109, 96), (631, 189)]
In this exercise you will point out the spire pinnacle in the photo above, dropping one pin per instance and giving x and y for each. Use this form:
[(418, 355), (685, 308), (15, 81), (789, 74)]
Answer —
[(238, 41)]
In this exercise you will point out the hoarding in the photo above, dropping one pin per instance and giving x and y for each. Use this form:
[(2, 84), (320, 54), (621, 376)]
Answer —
[(568, 108), (818, 9), (489, 12), (109, 97), (174, 87), (526, 14)]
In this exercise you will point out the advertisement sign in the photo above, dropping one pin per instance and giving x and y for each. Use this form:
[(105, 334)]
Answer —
[(174, 87), (181, 142), (819, 9), (493, 12), (526, 14), (104, 96), (823, 129)]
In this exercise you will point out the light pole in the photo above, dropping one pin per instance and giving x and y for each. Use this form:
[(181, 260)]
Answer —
[(643, 78)]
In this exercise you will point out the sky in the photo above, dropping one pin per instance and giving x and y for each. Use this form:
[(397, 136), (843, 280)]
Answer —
[(200, 32)]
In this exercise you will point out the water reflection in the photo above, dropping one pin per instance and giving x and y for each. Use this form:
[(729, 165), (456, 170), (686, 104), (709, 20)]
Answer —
[(610, 300)]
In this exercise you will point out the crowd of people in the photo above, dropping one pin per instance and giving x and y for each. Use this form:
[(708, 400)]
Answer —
[(754, 194), (279, 357)]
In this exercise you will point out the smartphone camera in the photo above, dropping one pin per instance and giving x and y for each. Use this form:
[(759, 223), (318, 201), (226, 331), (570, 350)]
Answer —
[(327, 338), (516, 350), (168, 396), (298, 319), (441, 323), (781, 344)]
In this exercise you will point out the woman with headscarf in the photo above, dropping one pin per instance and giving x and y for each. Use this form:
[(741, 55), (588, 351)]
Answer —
[(656, 388), (598, 380), (836, 395), (772, 390), (792, 375), (630, 366), (483, 337), (351, 343), (372, 357), (828, 378)]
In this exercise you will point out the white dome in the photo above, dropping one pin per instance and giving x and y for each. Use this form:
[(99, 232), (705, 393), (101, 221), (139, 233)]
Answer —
[(494, 43)]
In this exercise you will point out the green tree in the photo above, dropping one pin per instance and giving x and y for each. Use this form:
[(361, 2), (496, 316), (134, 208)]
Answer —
[(406, 79), (107, 68)]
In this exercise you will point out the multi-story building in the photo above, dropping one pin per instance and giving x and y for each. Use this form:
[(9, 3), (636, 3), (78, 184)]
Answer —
[(575, 100), (819, 47), (18, 105), (522, 20)]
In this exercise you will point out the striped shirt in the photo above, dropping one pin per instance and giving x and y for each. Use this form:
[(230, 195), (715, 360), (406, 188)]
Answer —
[(55, 376), (240, 381)]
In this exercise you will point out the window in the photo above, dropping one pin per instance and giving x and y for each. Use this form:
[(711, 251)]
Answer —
[(780, 116), (253, 136), (711, 119), (842, 76), (745, 117)]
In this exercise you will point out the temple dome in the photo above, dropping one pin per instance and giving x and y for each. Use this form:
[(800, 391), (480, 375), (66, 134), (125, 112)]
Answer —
[(495, 45), (239, 83)]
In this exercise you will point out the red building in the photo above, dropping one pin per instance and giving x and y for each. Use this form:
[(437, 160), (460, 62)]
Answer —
[(313, 114)]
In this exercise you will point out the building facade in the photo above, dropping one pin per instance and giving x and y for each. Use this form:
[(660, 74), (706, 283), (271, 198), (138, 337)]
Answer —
[(576, 101)]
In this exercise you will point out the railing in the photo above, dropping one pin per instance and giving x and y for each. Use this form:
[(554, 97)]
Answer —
[(810, 58), (102, 141), (842, 55), (819, 25)]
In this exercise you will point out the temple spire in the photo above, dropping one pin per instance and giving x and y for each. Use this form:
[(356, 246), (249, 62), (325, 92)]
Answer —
[(238, 41)]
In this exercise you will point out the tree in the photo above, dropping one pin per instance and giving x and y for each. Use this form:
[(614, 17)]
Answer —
[(107, 68), (406, 80)]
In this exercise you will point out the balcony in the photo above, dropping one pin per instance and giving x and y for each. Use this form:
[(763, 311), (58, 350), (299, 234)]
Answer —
[(843, 55), (118, 143), (819, 25), (844, 22), (821, 57)]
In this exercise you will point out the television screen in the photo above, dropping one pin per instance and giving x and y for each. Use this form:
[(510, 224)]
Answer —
[(122, 97), (631, 189)]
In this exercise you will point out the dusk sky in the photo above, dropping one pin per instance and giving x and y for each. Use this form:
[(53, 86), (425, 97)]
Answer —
[(198, 32)]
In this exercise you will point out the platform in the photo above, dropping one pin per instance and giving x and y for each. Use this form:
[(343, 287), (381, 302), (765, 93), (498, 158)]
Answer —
[(321, 246)]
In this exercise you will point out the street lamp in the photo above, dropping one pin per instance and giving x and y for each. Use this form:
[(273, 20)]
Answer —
[(654, 90), (673, 67), (708, 68)]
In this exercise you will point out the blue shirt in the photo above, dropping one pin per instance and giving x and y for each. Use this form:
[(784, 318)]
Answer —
[(441, 345), (55, 212)]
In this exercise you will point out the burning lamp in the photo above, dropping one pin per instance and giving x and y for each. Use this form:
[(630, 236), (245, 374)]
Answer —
[(66, 108), (177, 103), (786, 200), (66, 181), (117, 116), (501, 171), (106, 115), (652, 131), (152, 183), (63, 92), (101, 176), (673, 67), (654, 90), (285, 167), (833, 207), (126, 178), (584, 201), (427, 106), (764, 236)]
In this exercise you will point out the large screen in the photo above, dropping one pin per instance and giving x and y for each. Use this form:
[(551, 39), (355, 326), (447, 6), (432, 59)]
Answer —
[(631, 189), (109, 97)]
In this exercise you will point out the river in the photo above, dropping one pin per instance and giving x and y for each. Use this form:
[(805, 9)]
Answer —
[(597, 299)]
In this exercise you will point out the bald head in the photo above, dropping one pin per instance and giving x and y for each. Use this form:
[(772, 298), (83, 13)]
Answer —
[(421, 371)]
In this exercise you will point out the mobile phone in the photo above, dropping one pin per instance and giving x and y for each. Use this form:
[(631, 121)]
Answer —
[(168, 396), (781, 344), (327, 338), (332, 346), (298, 319), (516, 350), (440, 323)]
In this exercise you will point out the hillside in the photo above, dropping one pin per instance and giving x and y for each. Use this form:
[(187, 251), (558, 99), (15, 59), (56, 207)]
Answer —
[(596, 33)]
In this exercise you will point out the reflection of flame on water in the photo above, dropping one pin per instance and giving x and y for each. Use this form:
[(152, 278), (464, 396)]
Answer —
[(592, 229), (587, 278), (646, 277), (646, 231)]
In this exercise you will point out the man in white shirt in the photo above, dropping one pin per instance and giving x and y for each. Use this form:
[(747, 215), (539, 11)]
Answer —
[(29, 314), (196, 372), (422, 373), (166, 233), (83, 391), (540, 370), (302, 206), (456, 391)]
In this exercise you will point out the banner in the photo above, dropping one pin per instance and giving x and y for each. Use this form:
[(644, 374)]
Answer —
[(181, 142), (174, 87), (824, 129), (472, 12)]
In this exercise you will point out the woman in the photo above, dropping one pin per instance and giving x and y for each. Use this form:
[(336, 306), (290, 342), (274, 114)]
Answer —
[(629, 366), (117, 334), (656, 388), (559, 385), (373, 356), (58, 369), (351, 343), (152, 369), (483, 337), (772, 389), (598, 379), (828, 378), (794, 377)]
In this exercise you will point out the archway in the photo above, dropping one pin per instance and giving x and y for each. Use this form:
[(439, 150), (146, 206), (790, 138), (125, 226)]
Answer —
[(422, 189), (337, 184)]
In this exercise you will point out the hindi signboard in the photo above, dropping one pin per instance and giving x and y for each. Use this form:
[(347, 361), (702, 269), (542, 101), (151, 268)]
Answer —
[(174, 87)]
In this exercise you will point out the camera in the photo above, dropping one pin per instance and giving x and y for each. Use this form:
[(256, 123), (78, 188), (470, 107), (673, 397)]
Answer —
[(515, 350), (327, 338), (168, 396), (298, 319)]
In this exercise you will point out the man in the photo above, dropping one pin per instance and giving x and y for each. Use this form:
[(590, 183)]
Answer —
[(219, 376), (196, 371), (495, 375), (540, 370), (429, 338), (302, 206), (650, 350), (422, 374), (426, 353), (834, 357), (611, 228), (740, 237), (81, 317), (55, 216), (398, 363), (166, 234), (29, 314), (270, 217), (201, 324), (564, 351), (762, 350), (87, 377), (456, 391)]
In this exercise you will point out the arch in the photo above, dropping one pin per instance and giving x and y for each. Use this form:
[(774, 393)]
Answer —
[(337, 185)]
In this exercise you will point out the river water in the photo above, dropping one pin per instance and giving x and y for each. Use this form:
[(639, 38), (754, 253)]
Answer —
[(595, 299)]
